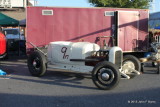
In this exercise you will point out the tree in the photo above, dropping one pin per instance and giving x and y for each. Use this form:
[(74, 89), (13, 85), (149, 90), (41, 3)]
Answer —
[(142, 4)]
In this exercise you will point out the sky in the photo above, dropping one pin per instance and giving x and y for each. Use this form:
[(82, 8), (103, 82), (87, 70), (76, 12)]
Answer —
[(64, 3), (156, 4), (84, 3)]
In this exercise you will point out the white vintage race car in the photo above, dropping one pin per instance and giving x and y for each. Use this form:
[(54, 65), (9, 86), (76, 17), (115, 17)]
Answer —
[(105, 65)]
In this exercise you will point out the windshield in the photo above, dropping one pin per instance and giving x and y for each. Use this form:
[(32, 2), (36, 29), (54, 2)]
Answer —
[(12, 31)]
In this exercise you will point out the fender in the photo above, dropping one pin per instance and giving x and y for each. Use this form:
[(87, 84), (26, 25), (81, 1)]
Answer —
[(3, 43), (116, 56)]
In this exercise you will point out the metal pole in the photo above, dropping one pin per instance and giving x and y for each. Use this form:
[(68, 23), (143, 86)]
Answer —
[(19, 41)]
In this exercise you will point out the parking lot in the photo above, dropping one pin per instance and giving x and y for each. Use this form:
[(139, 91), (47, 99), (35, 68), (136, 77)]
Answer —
[(68, 89)]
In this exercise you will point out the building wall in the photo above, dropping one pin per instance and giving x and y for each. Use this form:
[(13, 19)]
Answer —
[(13, 3)]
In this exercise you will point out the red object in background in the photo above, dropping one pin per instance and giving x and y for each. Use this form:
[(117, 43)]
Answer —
[(2, 44), (49, 24)]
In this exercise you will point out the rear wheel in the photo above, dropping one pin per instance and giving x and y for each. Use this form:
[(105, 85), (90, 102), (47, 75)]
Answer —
[(131, 62), (37, 63), (105, 75)]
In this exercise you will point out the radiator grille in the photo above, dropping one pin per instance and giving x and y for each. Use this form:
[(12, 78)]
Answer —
[(118, 58)]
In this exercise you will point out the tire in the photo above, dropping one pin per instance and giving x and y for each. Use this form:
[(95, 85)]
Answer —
[(134, 60), (37, 64), (109, 70)]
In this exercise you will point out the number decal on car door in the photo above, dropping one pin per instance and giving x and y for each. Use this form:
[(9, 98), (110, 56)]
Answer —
[(64, 50)]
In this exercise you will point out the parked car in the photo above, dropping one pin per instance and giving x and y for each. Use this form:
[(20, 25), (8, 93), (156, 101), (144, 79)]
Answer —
[(13, 33), (15, 40)]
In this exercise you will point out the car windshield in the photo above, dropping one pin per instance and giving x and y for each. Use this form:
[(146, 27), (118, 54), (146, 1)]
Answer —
[(12, 31)]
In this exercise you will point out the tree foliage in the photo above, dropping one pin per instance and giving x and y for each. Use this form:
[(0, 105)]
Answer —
[(141, 4)]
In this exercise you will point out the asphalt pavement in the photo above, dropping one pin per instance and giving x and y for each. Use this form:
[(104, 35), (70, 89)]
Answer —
[(69, 89)]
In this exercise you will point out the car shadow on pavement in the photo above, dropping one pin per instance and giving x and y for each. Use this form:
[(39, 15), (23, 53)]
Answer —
[(74, 83), (18, 70)]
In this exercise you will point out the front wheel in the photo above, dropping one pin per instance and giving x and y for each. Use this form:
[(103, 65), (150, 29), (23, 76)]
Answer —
[(37, 63), (105, 75)]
